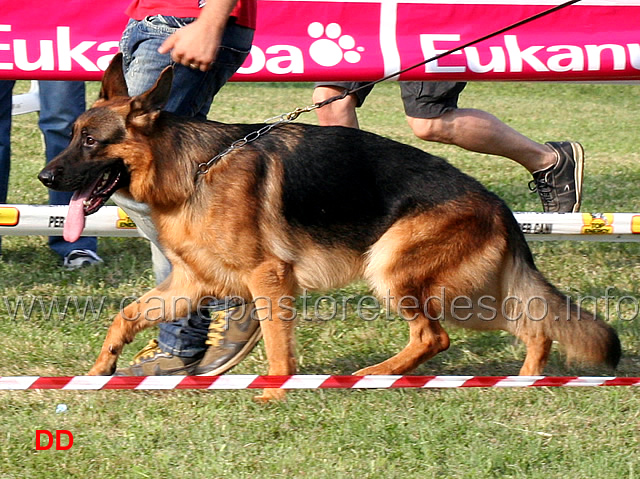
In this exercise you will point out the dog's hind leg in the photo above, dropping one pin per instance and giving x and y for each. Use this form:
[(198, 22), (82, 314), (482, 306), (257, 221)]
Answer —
[(426, 339), (272, 286), (174, 298), (427, 260), (538, 350)]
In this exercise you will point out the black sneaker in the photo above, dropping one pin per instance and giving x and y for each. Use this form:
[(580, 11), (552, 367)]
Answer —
[(560, 185), (233, 333), (79, 258)]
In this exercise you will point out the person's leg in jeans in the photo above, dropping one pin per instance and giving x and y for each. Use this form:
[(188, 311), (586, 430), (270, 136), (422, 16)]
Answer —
[(61, 102), (6, 91), (182, 344)]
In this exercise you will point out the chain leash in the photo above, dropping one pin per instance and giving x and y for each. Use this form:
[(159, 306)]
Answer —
[(271, 123)]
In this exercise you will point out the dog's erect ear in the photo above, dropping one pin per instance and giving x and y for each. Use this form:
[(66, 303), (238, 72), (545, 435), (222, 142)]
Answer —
[(145, 108), (113, 82)]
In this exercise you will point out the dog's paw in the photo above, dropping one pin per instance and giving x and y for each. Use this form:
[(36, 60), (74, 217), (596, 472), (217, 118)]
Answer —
[(101, 371), (372, 370), (271, 394)]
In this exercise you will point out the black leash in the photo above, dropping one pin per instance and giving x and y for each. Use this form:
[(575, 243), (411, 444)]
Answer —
[(203, 168), (519, 23)]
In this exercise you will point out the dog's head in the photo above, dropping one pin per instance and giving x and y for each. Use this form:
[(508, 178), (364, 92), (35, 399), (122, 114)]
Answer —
[(98, 160)]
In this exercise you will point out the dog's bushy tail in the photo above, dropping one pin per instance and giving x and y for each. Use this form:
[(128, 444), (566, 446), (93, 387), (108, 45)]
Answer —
[(542, 309)]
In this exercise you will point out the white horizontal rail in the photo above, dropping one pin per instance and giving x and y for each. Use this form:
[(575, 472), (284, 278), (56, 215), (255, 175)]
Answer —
[(26, 102), (604, 227), (25, 220)]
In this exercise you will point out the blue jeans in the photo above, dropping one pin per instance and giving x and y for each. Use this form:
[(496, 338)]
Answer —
[(61, 102), (192, 93), (6, 89)]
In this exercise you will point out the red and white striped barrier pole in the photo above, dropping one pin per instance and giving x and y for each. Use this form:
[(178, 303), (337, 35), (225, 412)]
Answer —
[(301, 381)]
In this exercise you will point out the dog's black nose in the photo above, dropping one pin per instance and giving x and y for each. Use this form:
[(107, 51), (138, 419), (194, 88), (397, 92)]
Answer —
[(47, 177)]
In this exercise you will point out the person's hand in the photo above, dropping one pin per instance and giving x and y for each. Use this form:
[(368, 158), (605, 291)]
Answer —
[(194, 46)]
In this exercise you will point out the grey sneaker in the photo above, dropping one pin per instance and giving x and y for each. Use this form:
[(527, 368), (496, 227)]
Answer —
[(560, 185), (233, 333), (79, 258), (152, 361)]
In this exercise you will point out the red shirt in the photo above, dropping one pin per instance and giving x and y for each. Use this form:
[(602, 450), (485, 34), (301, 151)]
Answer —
[(244, 11)]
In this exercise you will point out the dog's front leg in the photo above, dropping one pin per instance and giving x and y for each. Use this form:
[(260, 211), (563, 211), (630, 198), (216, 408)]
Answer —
[(164, 303), (272, 287)]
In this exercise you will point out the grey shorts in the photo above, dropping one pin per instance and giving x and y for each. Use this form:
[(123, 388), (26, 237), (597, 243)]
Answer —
[(429, 99)]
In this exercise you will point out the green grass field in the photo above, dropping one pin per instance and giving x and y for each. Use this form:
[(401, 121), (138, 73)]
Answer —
[(458, 433)]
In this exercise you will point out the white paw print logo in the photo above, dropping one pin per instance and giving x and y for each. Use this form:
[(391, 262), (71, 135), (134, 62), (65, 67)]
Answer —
[(330, 51)]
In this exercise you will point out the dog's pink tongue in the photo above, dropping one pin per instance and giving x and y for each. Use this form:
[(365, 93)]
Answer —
[(74, 223)]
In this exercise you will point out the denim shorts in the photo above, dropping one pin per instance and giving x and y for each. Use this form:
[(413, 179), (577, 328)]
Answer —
[(193, 90)]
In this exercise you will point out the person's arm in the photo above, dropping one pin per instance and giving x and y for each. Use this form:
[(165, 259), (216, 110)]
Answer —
[(196, 45)]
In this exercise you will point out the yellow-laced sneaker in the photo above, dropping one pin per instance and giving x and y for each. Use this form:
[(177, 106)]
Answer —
[(233, 333), (152, 361)]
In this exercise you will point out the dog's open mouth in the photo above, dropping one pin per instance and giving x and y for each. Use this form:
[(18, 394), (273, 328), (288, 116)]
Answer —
[(89, 200)]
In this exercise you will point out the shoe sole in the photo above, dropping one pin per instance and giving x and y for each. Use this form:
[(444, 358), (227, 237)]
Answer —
[(578, 156), (246, 349)]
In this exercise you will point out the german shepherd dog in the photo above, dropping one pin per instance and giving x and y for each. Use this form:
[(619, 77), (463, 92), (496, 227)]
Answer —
[(312, 208)]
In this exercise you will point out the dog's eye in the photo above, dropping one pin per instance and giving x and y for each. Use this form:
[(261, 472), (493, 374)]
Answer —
[(90, 141)]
